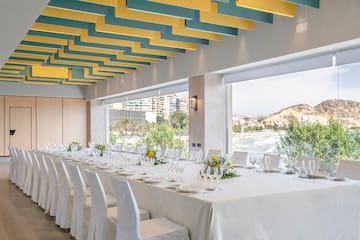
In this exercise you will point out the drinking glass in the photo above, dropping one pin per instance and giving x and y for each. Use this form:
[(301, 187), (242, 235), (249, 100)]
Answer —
[(181, 167), (218, 175), (252, 160), (312, 166), (266, 163)]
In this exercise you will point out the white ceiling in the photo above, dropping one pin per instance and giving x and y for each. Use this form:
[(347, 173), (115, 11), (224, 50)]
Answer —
[(16, 17)]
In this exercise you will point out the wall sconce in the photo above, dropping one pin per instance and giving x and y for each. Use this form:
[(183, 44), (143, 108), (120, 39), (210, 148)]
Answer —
[(193, 103)]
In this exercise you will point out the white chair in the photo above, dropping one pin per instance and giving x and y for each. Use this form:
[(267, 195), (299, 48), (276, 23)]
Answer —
[(44, 182), (196, 154), (212, 152), (99, 210), (51, 202), (65, 197), (21, 168), (12, 166), (36, 178), (240, 158), (81, 204), (303, 163), (128, 225), (173, 154), (177, 153), (271, 161), (349, 169), (18, 167), (29, 172)]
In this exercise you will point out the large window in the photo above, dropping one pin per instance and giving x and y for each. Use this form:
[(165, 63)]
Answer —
[(314, 113), (158, 120)]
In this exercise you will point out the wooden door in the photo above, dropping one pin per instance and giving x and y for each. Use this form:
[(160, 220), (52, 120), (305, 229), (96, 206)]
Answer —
[(20, 120)]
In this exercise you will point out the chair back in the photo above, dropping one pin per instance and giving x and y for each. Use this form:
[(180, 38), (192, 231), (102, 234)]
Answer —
[(349, 169), (16, 152), (98, 197), (196, 154), (304, 163), (44, 171), (128, 222), (29, 160), (53, 174), (240, 158), (141, 149), (128, 148), (78, 181), (36, 166), (177, 153), (64, 178), (271, 161)]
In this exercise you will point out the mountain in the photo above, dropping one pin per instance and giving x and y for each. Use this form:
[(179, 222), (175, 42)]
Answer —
[(347, 110)]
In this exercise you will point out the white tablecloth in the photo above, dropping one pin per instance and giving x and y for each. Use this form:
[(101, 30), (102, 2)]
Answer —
[(255, 206)]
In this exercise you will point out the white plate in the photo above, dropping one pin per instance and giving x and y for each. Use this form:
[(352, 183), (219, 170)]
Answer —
[(190, 189), (140, 177), (126, 173), (153, 180), (318, 175), (173, 186), (337, 179), (270, 170), (89, 163), (211, 188), (239, 166), (105, 167)]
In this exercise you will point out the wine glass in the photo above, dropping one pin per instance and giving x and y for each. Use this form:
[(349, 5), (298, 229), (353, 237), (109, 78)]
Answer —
[(312, 166), (218, 175), (252, 160), (181, 167)]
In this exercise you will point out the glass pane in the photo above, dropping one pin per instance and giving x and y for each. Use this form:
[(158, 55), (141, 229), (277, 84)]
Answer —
[(156, 121), (349, 111), (292, 114)]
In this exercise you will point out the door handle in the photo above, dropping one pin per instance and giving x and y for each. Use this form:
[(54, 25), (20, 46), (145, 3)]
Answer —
[(12, 132)]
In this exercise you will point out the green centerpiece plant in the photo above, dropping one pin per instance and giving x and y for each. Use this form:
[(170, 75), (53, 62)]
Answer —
[(74, 146), (221, 166), (101, 149)]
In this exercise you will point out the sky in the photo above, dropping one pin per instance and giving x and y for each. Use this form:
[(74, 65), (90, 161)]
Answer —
[(269, 95)]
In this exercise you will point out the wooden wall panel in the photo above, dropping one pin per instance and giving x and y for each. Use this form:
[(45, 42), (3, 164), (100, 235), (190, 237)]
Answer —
[(2, 125), (49, 121), (74, 121), (21, 102)]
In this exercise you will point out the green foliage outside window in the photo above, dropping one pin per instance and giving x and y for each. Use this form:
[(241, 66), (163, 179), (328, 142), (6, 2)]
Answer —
[(329, 143), (163, 132)]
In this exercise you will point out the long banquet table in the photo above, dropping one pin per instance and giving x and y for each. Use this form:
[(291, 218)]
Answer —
[(254, 206)]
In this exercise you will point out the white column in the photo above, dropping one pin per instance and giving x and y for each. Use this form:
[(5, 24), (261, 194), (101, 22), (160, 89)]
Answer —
[(208, 123), (98, 122)]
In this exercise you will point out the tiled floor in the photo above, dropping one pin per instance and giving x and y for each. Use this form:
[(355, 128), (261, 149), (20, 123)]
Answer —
[(20, 218)]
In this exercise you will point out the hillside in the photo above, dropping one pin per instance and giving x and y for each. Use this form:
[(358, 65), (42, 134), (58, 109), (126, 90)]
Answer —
[(349, 112)]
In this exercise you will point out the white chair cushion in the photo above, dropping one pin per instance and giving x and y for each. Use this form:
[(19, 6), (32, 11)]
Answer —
[(112, 214), (162, 228)]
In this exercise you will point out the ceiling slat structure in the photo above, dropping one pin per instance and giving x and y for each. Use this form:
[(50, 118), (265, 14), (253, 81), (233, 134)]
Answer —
[(83, 42)]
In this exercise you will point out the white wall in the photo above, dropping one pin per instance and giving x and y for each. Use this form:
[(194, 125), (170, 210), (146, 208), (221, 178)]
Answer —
[(207, 124), (336, 21), (20, 89), (98, 122)]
